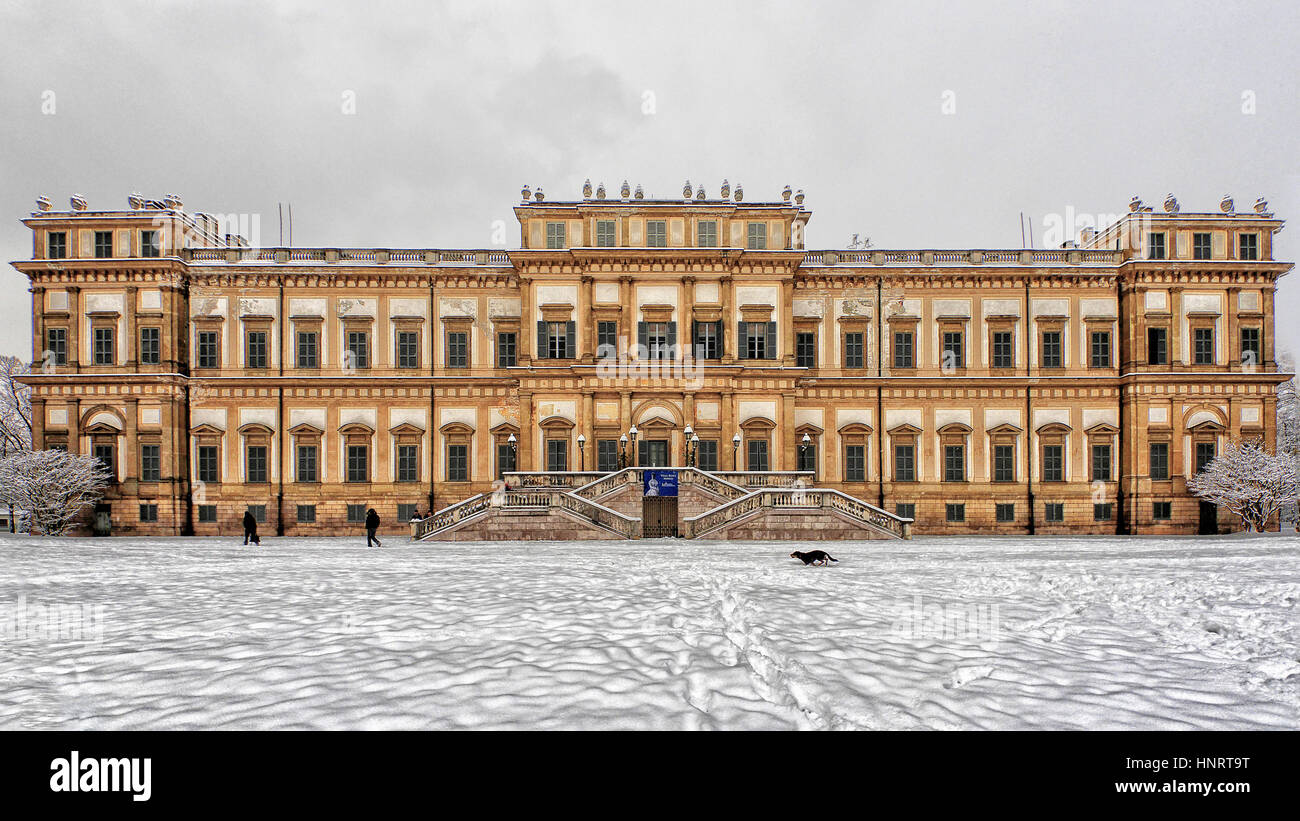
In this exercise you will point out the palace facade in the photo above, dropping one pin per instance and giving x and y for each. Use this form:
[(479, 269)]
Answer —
[(975, 391)]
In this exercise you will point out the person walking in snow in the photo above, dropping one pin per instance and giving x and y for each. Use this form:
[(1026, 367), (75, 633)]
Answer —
[(372, 524), (250, 528)]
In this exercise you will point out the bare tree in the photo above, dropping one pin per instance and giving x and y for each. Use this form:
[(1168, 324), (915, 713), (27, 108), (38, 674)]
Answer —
[(53, 486), (15, 414), (1249, 481)]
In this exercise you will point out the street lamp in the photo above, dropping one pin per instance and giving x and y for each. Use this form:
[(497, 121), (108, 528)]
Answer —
[(695, 448), (622, 451), (582, 460), (804, 444), (633, 432), (686, 437), (735, 447)]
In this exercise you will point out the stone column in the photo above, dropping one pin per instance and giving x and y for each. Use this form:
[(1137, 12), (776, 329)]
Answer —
[(526, 432), (130, 459), (1176, 327), (130, 345), (725, 461), (1269, 362), (586, 328), (627, 298), (587, 428), (731, 345), (1230, 330), (38, 330), (38, 423), (785, 444), (787, 322), (74, 329), (686, 320), (74, 426), (527, 331)]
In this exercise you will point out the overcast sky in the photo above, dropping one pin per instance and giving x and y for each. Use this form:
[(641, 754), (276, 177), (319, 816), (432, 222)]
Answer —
[(1054, 107)]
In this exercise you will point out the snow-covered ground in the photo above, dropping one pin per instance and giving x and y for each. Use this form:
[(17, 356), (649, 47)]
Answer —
[(1003, 633)]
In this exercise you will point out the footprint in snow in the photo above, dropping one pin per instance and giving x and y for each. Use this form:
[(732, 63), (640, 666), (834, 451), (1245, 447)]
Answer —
[(965, 675)]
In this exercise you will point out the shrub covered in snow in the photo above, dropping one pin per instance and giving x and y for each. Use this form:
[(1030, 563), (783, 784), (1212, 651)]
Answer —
[(53, 486), (1249, 481)]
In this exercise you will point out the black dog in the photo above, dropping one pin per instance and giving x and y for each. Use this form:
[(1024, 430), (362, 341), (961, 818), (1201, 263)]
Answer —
[(817, 557)]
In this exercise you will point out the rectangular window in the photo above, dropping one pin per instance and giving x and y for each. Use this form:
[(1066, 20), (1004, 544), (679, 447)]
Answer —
[(256, 351), (854, 350), (706, 234), (606, 339), (1205, 453), (150, 463), (1250, 347), (1101, 463), (1054, 512), (1161, 511), (307, 459), (954, 512), (1203, 346), (904, 463), (148, 512), (1200, 246), (306, 514), (307, 356), (1155, 246), (255, 465), (1003, 349), (150, 346), (1102, 512), (356, 513), (1157, 353), (708, 340), (757, 336), (105, 353), (1053, 463), (457, 463), (555, 235), (407, 511), (953, 350), (756, 450), (806, 459), (103, 244), (56, 343), (954, 463), (207, 513), (855, 463), (1099, 343), (505, 459), (1004, 463), (358, 353), (149, 244), (408, 463), (905, 510), (1051, 349), (457, 349), (408, 349), (557, 454), (57, 245), (656, 234), (605, 233), (209, 471), (259, 513), (706, 454), (506, 349), (607, 455), (1005, 512), (1159, 465), (903, 353), (1248, 246), (659, 339), (756, 237), (556, 340), (805, 350), (358, 463)]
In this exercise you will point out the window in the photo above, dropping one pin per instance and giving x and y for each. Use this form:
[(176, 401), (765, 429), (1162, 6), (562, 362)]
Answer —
[(955, 512), (805, 350), (905, 463), (105, 354), (408, 463), (758, 340), (1051, 349), (457, 463), (1004, 463), (555, 340), (1003, 349), (256, 353), (457, 349), (952, 350), (408, 349), (306, 514), (1101, 462), (259, 513), (607, 455), (656, 234), (708, 340), (806, 457), (356, 513), (57, 245), (658, 339), (1161, 511), (358, 353), (854, 354), (706, 234), (358, 463), (1053, 463), (557, 454), (605, 233), (756, 236), (1250, 347), (148, 512), (207, 513), (555, 235), (307, 357), (56, 343), (506, 455), (756, 451), (1155, 246), (903, 350), (507, 343), (255, 466), (149, 245), (1099, 343), (1054, 512), (706, 454), (1159, 464), (1248, 246), (905, 510), (209, 471), (1102, 512), (150, 463), (103, 244), (855, 463), (954, 463), (1205, 453), (407, 511), (150, 351), (606, 339), (307, 460), (1200, 246), (1157, 353), (1005, 512), (1203, 346)]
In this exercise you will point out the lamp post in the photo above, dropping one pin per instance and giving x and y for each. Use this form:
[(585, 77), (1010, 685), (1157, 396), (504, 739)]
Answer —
[(622, 451), (686, 436), (695, 448), (582, 456), (804, 444), (735, 448), (632, 433), (514, 452)]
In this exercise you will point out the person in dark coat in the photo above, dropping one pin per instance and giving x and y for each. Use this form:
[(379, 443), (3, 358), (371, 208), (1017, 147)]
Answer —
[(372, 524), (250, 528)]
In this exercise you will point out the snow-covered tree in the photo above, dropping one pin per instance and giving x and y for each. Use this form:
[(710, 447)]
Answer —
[(15, 414), (1249, 481), (1288, 425), (53, 486)]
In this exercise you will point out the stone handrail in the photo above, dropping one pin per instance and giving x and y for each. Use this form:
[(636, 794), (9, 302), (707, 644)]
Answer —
[(424, 256), (976, 256), (711, 482), (625, 526), (453, 515), (606, 483), (873, 517), (519, 480), (764, 478)]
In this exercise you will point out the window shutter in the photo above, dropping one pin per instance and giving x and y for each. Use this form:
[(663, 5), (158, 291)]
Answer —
[(643, 338), (541, 351), (696, 349), (771, 341), (722, 347), (742, 341), (570, 335), (672, 339)]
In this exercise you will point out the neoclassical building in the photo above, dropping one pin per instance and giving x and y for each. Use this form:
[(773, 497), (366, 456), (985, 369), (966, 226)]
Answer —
[(976, 391)]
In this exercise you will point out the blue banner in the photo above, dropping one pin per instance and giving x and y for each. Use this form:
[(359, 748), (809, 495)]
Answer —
[(659, 482)]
